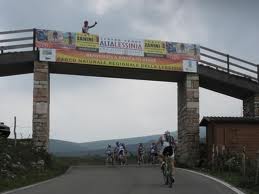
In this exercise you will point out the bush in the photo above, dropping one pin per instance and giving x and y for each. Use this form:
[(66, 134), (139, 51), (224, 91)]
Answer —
[(21, 165)]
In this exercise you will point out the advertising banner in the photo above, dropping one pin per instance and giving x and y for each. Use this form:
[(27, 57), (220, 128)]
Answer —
[(186, 51), (155, 48), (87, 42), (55, 39), (121, 46), (69, 47), (103, 59)]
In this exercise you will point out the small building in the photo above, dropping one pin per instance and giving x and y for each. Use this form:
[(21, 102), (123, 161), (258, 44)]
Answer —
[(232, 133)]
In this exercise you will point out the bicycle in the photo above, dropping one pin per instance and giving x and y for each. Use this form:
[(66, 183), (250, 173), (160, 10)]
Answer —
[(141, 159), (153, 158), (167, 171), (121, 159), (109, 159)]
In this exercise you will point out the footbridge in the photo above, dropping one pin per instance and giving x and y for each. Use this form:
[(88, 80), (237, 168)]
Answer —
[(216, 71)]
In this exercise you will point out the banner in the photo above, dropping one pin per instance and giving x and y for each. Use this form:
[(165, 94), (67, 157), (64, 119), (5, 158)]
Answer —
[(186, 51), (155, 48), (70, 47), (121, 46), (87, 42), (55, 39), (103, 59)]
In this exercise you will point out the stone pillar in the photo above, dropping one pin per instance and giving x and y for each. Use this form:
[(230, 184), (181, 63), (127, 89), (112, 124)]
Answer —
[(40, 120), (251, 106), (188, 119)]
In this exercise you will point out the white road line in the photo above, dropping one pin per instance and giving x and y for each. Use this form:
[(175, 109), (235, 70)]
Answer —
[(215, 179)]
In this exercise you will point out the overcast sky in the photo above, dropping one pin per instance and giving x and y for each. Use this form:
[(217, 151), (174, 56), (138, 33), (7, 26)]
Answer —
[(89, 108)]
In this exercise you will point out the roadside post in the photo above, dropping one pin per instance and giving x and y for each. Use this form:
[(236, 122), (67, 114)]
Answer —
[(244, 161)]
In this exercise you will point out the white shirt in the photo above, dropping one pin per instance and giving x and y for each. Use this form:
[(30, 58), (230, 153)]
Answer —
[(85, 29)]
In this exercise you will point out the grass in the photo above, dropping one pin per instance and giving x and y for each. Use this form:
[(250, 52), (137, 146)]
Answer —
[(246, 184), (23, 156)]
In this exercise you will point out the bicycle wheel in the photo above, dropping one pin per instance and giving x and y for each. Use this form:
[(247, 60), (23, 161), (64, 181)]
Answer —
[(170, 181), (165, 177), (169, 173)]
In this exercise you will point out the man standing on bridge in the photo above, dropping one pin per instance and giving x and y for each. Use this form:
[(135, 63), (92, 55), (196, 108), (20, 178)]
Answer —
[(85, 27)]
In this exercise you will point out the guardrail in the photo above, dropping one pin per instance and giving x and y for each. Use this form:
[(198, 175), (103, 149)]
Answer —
[(236, 66), (22, 39), (25, 39)]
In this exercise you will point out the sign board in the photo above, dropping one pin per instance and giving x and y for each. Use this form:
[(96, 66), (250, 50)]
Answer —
[(91, 49), (47, 54), (120, 46), (190, 66)]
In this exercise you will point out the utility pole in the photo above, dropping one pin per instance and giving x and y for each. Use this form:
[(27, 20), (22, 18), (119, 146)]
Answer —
[(14, 131)]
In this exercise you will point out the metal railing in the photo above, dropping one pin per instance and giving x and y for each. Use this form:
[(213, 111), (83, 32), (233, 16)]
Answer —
[(25, 40), (230, 64), (17, 39)]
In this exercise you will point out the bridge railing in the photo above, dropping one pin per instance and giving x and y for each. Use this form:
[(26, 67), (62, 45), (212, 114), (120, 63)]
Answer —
[(21, 40), (228, 63), (18, 40)]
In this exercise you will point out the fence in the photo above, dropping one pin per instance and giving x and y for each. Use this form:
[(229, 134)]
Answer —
[(17, 39), (229, 64), (225, 160), (25, 40)]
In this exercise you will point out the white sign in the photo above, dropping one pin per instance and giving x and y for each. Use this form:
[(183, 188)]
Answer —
[(190, 66), (47, 54), (121, 46)]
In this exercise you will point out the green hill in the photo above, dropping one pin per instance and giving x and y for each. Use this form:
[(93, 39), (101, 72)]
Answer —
[(65, 148)]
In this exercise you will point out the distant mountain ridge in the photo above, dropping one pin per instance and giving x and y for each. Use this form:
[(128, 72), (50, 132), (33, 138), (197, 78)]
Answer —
[(66, 148)]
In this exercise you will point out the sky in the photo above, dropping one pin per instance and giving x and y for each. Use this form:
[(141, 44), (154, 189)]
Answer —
[(86, 108)]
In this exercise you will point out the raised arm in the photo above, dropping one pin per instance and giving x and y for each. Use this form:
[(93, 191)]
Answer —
[(93, 25)]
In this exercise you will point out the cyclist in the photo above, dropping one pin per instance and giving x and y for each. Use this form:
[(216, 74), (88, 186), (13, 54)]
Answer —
[(168, 145), (141, 151), (86, 27), (121, 153), (125, 153), (116, 150), (109, 154), (153, 152)]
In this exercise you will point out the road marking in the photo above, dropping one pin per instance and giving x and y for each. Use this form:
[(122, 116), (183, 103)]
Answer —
[(215, 179)]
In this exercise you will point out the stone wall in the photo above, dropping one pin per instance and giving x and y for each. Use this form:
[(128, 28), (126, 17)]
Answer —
[(41, 93), (251, 106), (188, 119)]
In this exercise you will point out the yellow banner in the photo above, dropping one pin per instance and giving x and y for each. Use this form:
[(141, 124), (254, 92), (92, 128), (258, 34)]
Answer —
[(155, 47), (87, 41), (117, 60)]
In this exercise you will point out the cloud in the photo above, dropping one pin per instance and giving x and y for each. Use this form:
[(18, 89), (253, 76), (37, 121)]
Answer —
[(121, 108)]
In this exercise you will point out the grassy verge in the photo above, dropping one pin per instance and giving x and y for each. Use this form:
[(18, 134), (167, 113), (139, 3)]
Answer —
[(21, 165), (31, 177), (245, 184)]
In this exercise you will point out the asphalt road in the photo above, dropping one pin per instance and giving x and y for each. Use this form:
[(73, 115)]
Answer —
[(126, 180)]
